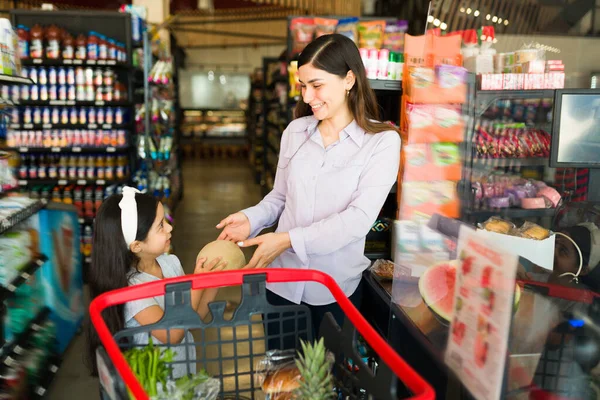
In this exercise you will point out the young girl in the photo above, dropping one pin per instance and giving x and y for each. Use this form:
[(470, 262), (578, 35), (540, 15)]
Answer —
[(131, 237)]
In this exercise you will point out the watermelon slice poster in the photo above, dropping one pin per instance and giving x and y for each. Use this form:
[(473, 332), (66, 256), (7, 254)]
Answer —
[(483, 306)]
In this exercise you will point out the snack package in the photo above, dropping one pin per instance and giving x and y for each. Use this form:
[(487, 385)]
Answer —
[(530, 230), (498, 225), (324, 26), (384, 269), (349, 28), (393, 36), (370, 34), (277, 373), (302, 30)]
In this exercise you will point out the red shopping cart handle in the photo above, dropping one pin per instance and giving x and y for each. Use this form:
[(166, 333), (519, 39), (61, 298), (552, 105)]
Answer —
[(411, 379), (563, 292)]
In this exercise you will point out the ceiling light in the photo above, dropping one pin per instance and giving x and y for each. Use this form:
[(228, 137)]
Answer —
[(476, 13), (483, 37), (462, 9), (443, 26), (430, 19), (488, 17), (436, 22), (222, 79), (499, 20), (495, 40), (469, 11), (494, 19), (505, 22)]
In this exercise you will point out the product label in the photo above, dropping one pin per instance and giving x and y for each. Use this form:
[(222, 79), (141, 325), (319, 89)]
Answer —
[(36, 48)]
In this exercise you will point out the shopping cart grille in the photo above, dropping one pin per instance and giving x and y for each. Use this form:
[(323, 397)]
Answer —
[(230, 346)]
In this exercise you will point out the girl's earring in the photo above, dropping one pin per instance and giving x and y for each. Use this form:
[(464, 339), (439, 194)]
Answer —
[(348, 92)]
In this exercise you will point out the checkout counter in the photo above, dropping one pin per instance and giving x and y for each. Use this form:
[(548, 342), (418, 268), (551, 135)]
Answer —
[(549, 353)]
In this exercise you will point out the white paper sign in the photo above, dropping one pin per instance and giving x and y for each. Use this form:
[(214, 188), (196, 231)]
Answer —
[(483, 306)]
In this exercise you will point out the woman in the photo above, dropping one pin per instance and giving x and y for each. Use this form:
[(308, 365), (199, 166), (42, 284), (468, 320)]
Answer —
[(336, 167)]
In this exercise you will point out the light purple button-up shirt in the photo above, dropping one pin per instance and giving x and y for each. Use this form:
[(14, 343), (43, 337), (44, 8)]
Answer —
[(327, 199)]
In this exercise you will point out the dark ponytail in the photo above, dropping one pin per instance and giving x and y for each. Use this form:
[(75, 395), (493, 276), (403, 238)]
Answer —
[(112, 261)]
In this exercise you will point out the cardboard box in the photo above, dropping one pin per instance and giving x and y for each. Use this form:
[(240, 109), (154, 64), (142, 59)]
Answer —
[(540, 252)]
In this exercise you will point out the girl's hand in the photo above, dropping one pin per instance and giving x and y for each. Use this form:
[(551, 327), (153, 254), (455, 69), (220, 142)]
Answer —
[(216, 264), (235, 227), (270, 246)]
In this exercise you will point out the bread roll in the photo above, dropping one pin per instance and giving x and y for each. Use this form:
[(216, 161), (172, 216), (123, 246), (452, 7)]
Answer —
[(283, 380)]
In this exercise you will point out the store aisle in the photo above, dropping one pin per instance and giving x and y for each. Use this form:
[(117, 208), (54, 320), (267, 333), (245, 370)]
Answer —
[(213, 189)]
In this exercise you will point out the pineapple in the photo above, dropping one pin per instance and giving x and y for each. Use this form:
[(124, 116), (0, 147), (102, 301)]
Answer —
[(317, 382)]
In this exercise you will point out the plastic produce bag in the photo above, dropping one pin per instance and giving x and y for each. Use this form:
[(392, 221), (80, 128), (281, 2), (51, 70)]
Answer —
[(199, 386), (277, 373)]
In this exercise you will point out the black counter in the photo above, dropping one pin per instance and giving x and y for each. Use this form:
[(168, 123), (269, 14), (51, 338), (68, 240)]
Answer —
[(420, 337)]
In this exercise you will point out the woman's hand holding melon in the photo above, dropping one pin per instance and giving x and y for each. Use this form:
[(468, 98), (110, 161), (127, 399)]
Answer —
[(270, 246), (235, 227)]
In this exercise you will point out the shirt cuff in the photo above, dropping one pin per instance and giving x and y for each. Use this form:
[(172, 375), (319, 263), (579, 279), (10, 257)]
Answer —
[(297, 240), (254, 215)]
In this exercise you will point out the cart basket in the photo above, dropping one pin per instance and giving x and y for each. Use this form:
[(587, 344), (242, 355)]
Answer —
[(385, 377)]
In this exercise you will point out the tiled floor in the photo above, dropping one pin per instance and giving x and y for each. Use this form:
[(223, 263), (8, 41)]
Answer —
[(213, 189)]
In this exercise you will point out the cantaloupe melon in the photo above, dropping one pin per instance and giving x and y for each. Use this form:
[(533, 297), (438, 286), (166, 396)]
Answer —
[(230, 252)]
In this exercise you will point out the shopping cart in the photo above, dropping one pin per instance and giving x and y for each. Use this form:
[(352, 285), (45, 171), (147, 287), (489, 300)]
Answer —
[(246, 334)]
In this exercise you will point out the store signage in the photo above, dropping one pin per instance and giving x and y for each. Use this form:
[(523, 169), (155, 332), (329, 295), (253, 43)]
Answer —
[(483, 305)]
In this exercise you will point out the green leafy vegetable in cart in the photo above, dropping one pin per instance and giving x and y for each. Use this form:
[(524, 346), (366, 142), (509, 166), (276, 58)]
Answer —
[(150, 366)]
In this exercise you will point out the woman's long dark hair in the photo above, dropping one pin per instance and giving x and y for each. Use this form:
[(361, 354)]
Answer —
[(338, 54), (112, 261)]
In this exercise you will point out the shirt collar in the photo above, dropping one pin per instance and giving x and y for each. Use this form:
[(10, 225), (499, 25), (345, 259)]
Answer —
[(356, 133)]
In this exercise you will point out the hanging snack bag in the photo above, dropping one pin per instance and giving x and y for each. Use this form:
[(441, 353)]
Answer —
[(302, 33), (349, 28), (324, 26), (393, 37), (370, 34)]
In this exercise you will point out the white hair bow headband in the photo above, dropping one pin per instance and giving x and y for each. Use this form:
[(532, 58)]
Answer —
[(129, 215)]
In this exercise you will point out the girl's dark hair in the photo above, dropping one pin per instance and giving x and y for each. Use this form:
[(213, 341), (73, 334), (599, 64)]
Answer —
[(112, 261), (338, 54)]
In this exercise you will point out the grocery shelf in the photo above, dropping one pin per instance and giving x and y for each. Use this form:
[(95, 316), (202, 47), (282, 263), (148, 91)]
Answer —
[(47, 62), (485, 98), (376, 255), (510, 162), (65, 182), (21, 339), (25, 273), (21, 215), (382, 84), (14, 80), (510, 213), (75, 149), (80, 103), (85, 220), (51, 368), (225, 140), (38, 127)]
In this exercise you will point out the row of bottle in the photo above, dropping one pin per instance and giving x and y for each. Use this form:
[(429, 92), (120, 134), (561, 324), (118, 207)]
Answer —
[(65, 93), (69, 115), (53, 42), (60, 166), (70, 75), (66, 138)]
